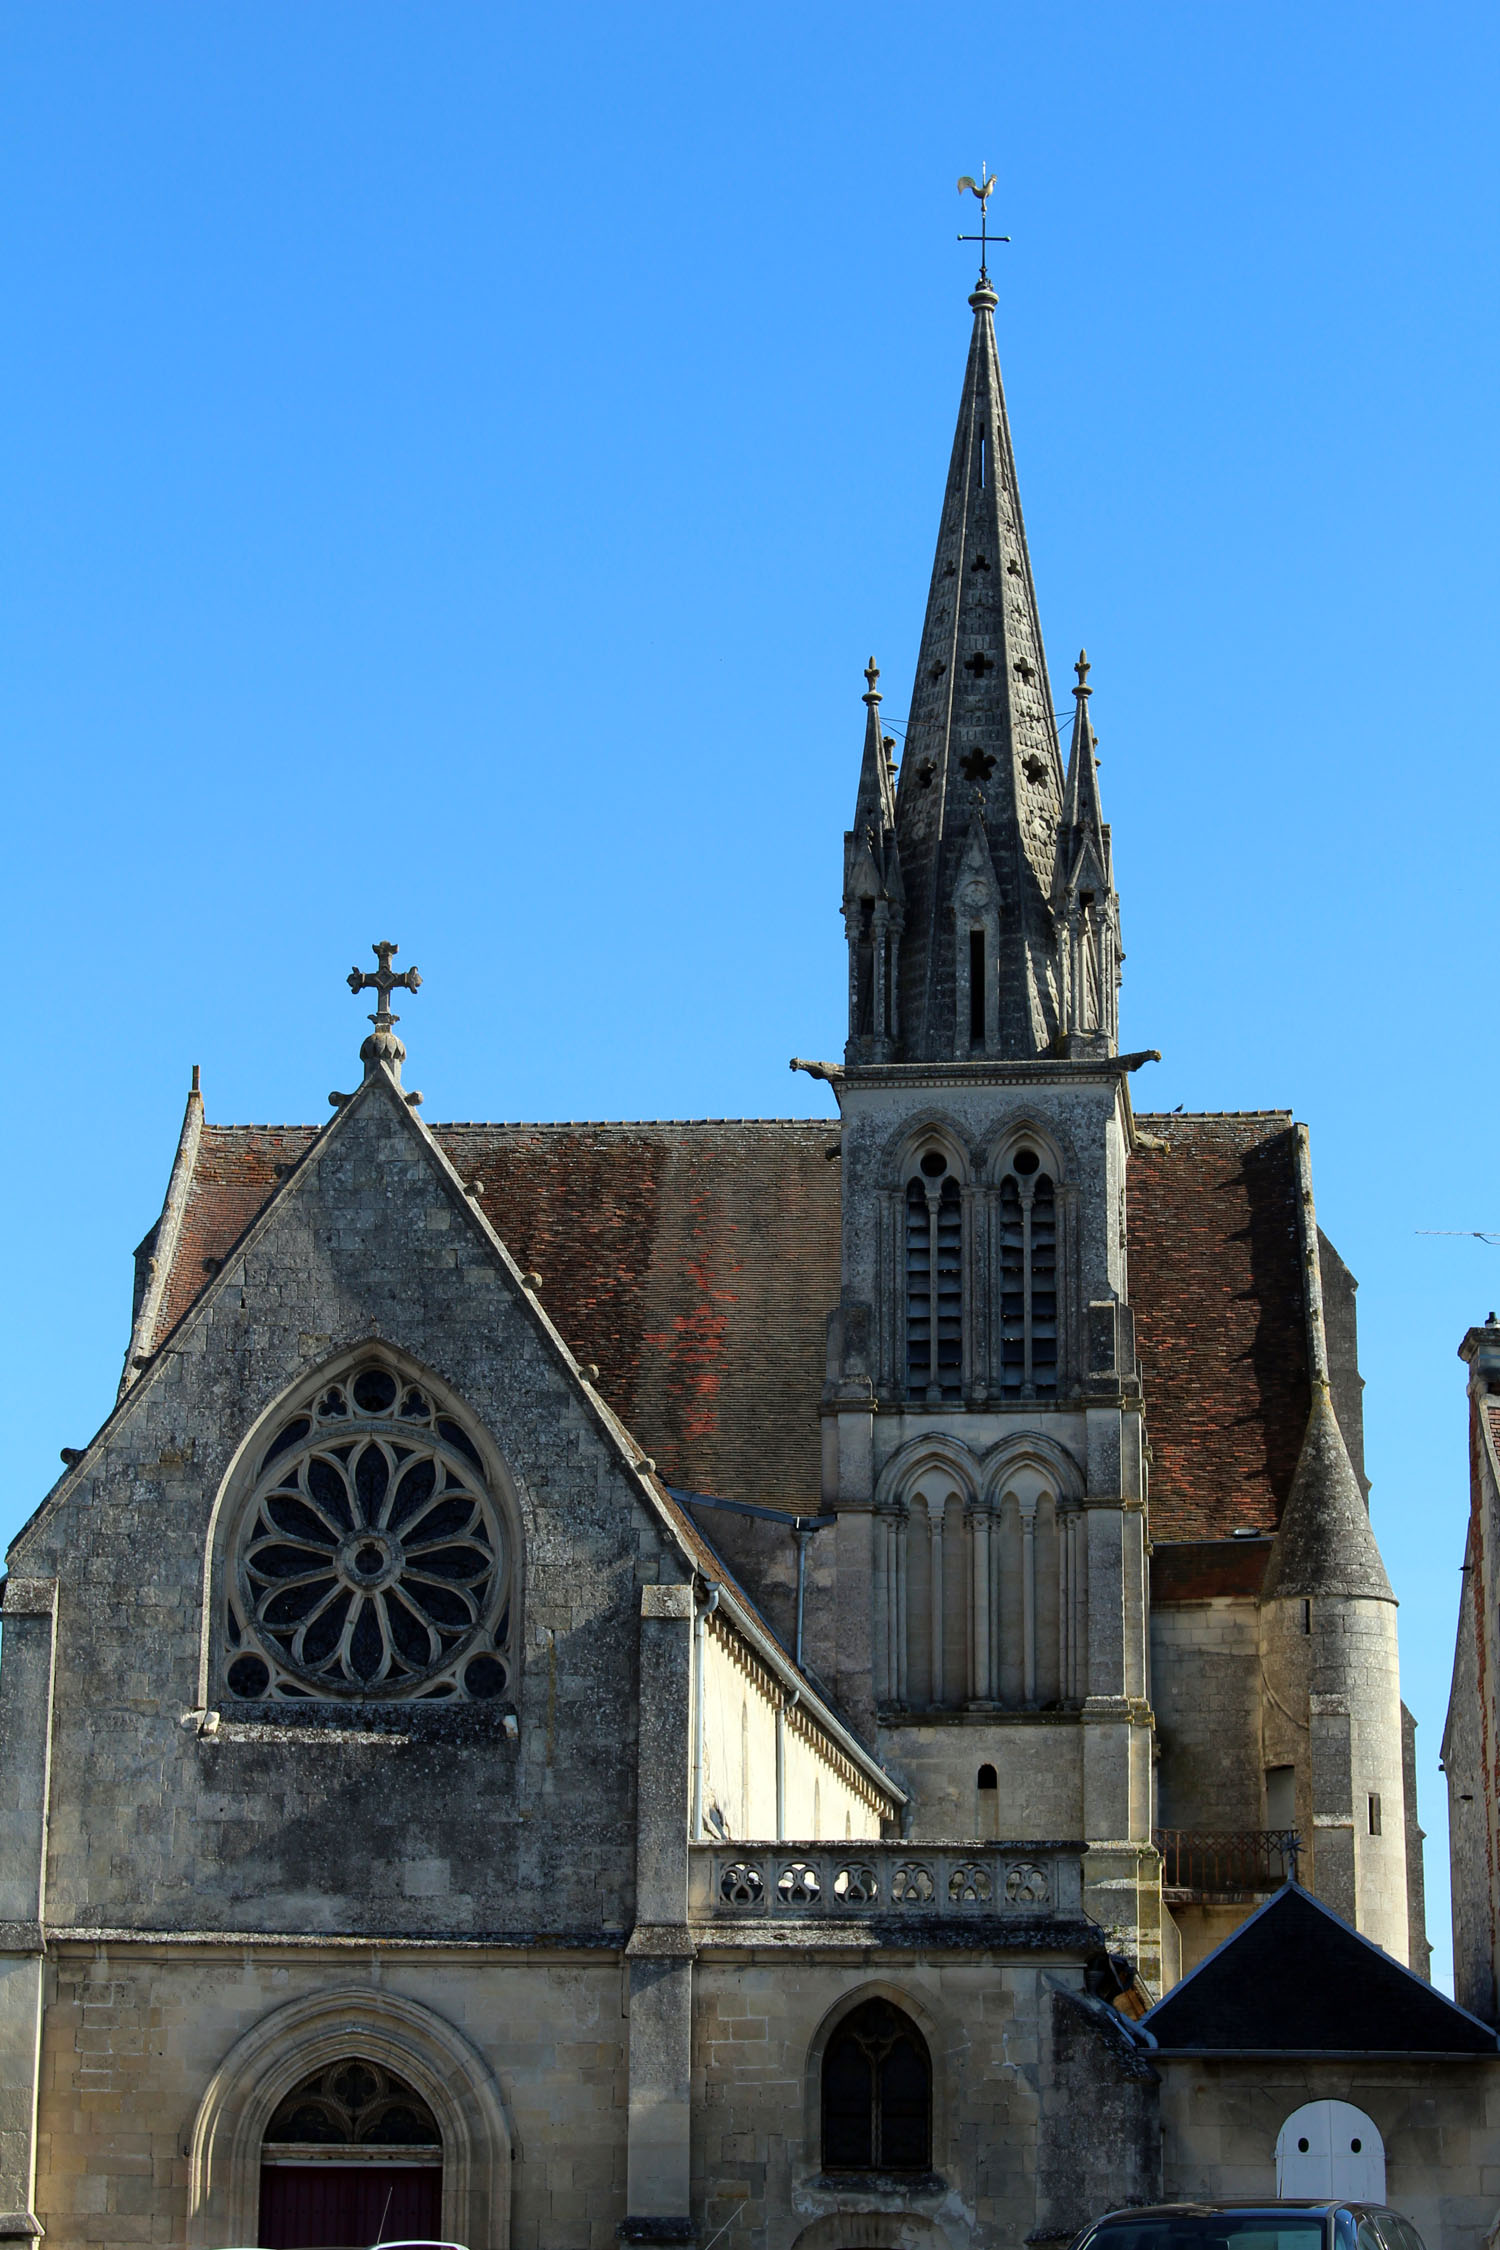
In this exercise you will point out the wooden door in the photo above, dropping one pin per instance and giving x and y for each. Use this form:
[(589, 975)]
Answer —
[(348, 2206)]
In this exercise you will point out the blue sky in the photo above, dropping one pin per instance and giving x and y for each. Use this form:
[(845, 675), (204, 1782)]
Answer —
[(458, 459)]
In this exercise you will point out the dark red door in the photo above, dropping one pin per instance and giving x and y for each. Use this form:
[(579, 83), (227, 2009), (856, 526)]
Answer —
[(348, 2206)]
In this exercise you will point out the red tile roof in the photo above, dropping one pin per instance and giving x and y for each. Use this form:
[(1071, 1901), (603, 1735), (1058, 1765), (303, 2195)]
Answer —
[(1216, 1284), (695, 1264)]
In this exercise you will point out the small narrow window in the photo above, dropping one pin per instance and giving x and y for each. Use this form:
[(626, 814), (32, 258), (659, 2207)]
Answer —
[(1307, 1616), (982, 462), (1372, 1803), (988, 1778), (1281, 1797), (976, 987)]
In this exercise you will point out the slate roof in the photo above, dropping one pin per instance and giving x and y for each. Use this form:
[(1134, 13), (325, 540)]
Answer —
[(1296, 1979), (695, 1264)]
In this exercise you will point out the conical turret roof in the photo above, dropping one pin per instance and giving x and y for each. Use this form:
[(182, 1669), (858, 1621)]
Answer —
[(1325, 1544)]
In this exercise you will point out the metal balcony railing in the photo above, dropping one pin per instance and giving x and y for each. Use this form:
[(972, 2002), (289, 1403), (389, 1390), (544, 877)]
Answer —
[(1231, 1863)]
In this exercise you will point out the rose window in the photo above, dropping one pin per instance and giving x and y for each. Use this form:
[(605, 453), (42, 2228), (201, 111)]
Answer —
[(371, 1560)]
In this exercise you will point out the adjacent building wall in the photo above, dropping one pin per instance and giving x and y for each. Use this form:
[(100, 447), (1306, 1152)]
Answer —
[(1469, 1740)]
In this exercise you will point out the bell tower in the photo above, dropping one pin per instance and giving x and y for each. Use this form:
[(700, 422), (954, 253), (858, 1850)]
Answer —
[(983, 1439)]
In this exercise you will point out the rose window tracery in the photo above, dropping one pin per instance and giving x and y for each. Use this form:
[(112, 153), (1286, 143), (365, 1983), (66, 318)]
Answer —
[(371, 1559)]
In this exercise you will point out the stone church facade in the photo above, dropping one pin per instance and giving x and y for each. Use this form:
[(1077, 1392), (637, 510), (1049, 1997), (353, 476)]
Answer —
[(688, 1681)]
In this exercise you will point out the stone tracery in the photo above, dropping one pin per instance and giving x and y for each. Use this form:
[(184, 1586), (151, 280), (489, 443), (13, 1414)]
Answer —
[(371, 1558)]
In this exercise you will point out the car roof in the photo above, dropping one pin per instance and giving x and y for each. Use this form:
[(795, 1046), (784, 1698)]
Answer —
[(1266, 2206)]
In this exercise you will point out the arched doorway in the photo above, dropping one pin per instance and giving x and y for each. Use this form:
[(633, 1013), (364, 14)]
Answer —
[(352, 2155), (1328, 2149), (303, 2037)]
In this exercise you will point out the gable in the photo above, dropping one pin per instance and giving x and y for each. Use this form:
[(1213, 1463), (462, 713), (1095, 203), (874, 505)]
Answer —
[(286, 1815), (1295, 1978)]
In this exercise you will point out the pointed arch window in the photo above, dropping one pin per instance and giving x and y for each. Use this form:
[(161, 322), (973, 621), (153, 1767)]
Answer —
[(1028, 1279), (934, 1281), (877, 2094)]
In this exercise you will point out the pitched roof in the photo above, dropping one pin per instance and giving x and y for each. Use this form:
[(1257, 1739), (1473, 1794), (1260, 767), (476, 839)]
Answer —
[(1297, 1979), (1216, 1288), (695, 1263)]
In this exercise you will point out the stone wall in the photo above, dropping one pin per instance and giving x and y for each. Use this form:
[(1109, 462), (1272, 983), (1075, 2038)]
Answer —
[(135, 2035), (759, 2040), (1206, 1691)]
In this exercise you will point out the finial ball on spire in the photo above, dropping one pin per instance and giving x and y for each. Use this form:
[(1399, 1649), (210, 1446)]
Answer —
[(872, 674), (1083, 669)]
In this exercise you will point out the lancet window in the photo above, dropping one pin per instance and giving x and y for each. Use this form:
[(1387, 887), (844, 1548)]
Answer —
[(934, 1281), (877, 2094), (370, 1558), (1028, 1279)]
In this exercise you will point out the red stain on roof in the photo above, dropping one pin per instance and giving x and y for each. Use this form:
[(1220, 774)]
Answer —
[(696, 1264)]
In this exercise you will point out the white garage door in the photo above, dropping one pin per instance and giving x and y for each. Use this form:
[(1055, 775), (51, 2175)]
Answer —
[(1330, 2149)]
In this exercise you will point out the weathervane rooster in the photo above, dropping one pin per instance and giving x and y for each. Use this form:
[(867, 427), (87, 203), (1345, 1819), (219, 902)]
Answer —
[(981, 189)]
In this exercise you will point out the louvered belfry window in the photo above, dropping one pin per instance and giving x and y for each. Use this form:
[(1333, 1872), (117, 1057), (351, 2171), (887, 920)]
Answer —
[(1028, 1279), (934, 1281)]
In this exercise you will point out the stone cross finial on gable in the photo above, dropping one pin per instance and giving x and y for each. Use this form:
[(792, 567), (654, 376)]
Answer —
[(384, 981)]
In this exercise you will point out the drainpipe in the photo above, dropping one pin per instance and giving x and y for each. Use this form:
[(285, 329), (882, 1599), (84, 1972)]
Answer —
[(700, 1616), (787, 1703), (803, 1532)]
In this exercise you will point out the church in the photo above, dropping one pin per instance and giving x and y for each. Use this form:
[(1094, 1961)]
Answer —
[(812, 1685)]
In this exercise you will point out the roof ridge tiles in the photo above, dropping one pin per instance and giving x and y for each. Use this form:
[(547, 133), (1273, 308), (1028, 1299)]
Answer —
[(530, 1124), (573, 1124)]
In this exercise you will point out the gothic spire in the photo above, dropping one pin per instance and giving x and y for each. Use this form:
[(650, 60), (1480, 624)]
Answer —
[(1082, 812), (873, 896), (875, 801), (980, 973), (1086, 910)]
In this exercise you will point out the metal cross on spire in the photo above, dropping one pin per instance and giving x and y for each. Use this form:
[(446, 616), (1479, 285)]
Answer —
[(983, 188), (384, 981)]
